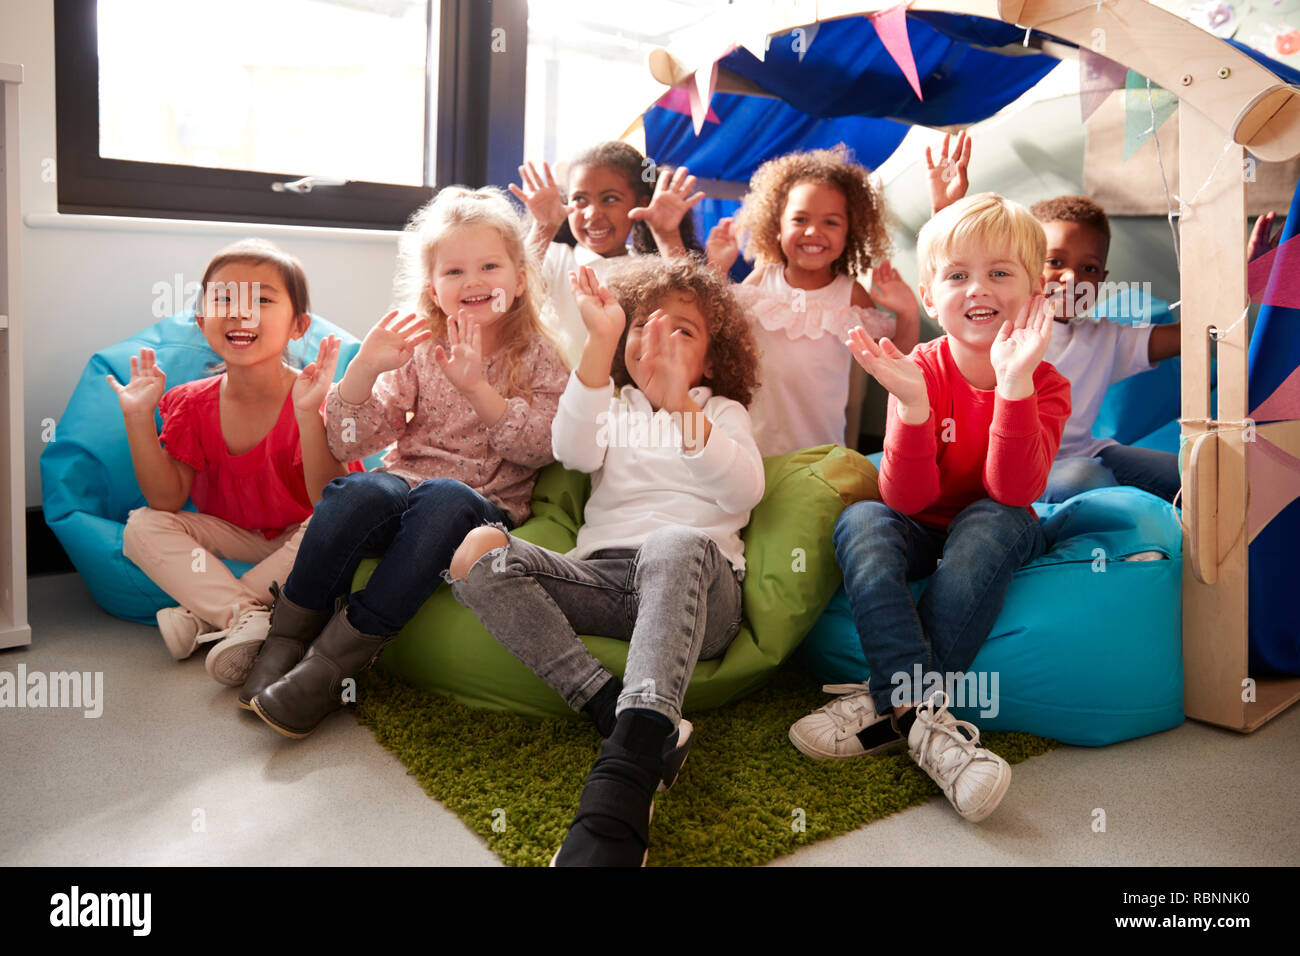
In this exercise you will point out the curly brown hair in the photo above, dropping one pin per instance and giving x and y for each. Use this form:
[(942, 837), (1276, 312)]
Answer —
[(640, 283), (1078, 209), (758, 224)]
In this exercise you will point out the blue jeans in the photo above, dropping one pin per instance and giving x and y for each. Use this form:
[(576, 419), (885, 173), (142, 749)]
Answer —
[(880, 550), (1153, 471), (676, 598), (413, 531)]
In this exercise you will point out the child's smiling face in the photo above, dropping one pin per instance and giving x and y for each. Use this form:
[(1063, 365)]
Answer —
[(601, 197), (472, 271), (814, 226), (977, 289), (1076, 258), (690, 329), (246, 315)]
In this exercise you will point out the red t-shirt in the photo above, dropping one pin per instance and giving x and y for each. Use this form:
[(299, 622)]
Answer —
[(975, 443), (264, 489)]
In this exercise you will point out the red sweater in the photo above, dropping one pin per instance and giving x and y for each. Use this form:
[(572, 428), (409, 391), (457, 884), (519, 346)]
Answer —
[(975, 443)]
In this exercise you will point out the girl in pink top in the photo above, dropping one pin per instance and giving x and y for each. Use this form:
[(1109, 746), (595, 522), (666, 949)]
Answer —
[(465, 389), (248, 446), (814, 222)]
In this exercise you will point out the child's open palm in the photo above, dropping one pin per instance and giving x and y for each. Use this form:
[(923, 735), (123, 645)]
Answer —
[(722, 248), (600, 311), (1021, 345), (464, 366), (664, 375), (541, 195), (313, 382), (148, 382), (948, 180), (391, 343), (889, 291), (671, 201), (883, 361)]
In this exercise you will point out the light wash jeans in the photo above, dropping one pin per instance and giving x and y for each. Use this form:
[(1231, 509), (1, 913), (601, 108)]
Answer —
[(676, 599), (880, 550), (1152, 471)]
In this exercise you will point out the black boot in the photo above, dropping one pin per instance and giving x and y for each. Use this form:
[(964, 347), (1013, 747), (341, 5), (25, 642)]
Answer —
[(293, 628), (302, 698)]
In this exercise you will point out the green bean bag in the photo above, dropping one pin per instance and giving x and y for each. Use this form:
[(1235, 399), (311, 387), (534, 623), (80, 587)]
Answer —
[(790, 576)]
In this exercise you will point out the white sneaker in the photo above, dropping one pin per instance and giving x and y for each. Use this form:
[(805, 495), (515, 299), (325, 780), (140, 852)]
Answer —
[(831, 732), (230, 661), (181, 630), (973, 779)]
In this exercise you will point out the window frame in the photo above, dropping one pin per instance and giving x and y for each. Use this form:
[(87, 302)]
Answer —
[(470, 77)]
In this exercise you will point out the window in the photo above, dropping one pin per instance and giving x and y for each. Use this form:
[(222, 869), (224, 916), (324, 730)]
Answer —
[(316, 112)]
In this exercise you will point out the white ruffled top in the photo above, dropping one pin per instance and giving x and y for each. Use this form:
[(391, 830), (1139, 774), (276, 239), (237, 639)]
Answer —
[(804, 369)]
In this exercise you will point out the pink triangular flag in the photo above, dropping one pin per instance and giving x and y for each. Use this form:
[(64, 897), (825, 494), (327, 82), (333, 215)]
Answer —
[(1274, 278), (701, 93), (678, 99), (1099, 76), (1283, 404), (1274, 482), (891, 27)]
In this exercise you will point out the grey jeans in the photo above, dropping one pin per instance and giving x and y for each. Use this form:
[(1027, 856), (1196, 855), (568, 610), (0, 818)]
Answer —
[(676, 599)]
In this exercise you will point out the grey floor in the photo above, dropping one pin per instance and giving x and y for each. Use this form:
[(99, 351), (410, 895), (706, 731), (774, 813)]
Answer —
[(172, 774)]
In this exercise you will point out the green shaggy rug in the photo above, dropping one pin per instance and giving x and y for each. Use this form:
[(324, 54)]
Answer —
[(744, 797)]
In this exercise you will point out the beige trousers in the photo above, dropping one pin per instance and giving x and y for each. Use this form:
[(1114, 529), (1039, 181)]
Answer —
[(180, 551)]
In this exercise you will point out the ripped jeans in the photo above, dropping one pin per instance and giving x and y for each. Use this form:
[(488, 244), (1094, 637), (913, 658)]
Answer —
[(676, 598)]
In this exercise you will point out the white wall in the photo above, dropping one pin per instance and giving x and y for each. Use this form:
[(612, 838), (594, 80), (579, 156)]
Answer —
[(88, 282)]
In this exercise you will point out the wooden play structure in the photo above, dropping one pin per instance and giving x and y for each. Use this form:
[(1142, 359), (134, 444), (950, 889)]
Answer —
[(1228, 104)]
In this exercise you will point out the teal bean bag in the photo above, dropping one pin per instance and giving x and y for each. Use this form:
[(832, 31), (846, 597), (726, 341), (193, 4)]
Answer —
[(790, 575), (1088, 646), (87, 483)]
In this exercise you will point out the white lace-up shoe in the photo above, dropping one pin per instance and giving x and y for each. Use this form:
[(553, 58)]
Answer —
[(973, 779), (181, 630), (846, 727), (230, 661)]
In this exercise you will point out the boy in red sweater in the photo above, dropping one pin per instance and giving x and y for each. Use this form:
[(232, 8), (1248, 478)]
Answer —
[(975, 418)]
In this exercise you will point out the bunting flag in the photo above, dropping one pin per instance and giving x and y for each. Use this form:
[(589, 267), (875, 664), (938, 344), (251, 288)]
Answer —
[(678, 100), (891, 27), (1138, 127), (700, 91), (1099, 76), (1274, 278), (1274, 482), (1284, 402)]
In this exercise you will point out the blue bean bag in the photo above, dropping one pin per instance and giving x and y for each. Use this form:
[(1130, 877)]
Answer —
[(1088, 646), (87, 483)]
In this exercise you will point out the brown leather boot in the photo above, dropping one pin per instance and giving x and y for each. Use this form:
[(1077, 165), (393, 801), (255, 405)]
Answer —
[(293, 628), (302, 698)]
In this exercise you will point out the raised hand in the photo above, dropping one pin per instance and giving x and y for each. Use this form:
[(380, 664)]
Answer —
[(391, 343), (141, 395), (1262, 239), (889, 291), (663, 374), (948, 181), (672, 200), (1020, 346), (314, 381), (722, 248), (899, 375), (464, 366), (541, 195), (600, 311)]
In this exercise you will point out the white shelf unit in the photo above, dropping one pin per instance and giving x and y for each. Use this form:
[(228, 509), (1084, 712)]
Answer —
[(14, 629)]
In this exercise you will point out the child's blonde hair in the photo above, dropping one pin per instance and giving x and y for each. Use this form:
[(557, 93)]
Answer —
[(640, 283), (456, 207), (758, 224), (985, 219)]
